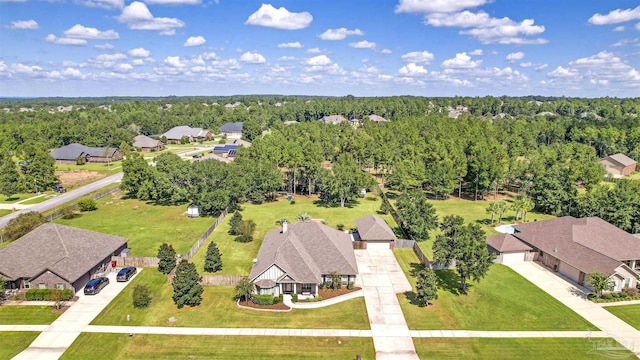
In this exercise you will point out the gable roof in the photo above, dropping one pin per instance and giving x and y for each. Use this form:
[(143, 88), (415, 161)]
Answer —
[(179, 132), (374, 228), (377, 118), (507, 243), (231, 127), (67, 251), (305, 252), (621, 159), (143, 141), (587, 244), (72, 151), (334, 119)]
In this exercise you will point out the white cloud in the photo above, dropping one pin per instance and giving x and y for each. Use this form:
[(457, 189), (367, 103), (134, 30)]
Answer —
[(280, 18), (627, 42), (287, 58), (137, 62), (174, 61), (104, 4), (364, 44), (314, 51), (110, 57), (340, 34), (562, 72), (210, 56), (123, 67), (23, 25), (476, 52), (417, 57), (138, 17), (461, 61), (73, 74), (437, 6), (26, 69), (65, 41), (412, 69), (616, 16), (385, 51), (516, 56), (294, 45), (253, 58), (105, 46), (536, 67), (195, 41), (81, 32), (618, 28), (637, 26), (320, 60), (140, 52), (173, 2)]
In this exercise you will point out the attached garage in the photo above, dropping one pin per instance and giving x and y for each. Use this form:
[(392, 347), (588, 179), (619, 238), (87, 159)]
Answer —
[(375, 232), (513, 257), (508, 249), (569, 271), (378, 245)]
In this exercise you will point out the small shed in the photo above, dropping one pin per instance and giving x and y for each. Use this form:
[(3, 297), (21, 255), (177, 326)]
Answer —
[(193, 211)]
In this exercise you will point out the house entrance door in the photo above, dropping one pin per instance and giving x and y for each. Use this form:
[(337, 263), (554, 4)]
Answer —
[(287, 288)]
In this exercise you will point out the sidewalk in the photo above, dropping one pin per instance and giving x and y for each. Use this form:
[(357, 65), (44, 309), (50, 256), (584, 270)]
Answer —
[(160, 330), (314, 305), (620, 303), (506, 334), (575, 299)]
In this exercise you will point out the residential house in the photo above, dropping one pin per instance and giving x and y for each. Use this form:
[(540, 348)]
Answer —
[(177, 133), (78, 153), (298, 258), (232, 130), (334, 119), (375, 232), (55, 256), (377, 118), (619, 165), (230, 149), (574, 248), (146, 144)]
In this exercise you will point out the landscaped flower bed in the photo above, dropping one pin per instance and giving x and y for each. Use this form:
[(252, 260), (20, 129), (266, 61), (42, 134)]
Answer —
[(251, 304), (326, 294)]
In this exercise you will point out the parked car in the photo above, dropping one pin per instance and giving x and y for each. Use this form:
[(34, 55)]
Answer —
[(59, 188), (126, 273), (94, 286), (197, 156)]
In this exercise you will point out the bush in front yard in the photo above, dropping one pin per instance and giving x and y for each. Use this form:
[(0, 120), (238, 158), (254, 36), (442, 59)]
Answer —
[(263, 299), (45, 294), (87, 204), (141, 297), (631, 292), (350, 285), (294, 298)]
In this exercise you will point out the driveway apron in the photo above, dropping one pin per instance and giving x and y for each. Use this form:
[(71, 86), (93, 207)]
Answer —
[(382, 278)]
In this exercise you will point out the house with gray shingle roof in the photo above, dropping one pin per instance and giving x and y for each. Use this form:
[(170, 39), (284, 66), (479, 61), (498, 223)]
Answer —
[(334, 119), (177, 133), (75, 153), (54, 256), (375, 232), (619, 165), (146, 144), (297, 258), (232, 130)]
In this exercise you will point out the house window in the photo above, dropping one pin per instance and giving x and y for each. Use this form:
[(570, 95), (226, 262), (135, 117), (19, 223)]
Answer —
[(27, 284), (541, 254), (306, 288), (627, 282), (60, 286), (42, 286)]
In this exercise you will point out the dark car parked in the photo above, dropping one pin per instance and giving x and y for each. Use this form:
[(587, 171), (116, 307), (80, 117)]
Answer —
[(94, 286), (126, 273), (59, 188)]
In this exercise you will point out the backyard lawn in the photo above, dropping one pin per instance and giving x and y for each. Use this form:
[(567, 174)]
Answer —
[(237, 257), (13, 342), (503, 300), (119, 346), (103, 168), (4, 212), (146, 226), (26, 315), (523, 348), (218, 309), (627, 313)]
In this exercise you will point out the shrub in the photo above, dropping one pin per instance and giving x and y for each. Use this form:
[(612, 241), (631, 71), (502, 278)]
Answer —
[(233, 223), (294, 298), (140, 296), (292, 202), (314, 299), (87, 204), (69, 212), (336, 281), (607, 296), (350, 285), (632, 292), (592, 296), (263, 299), (46, 294), (23, 224), (280, 298), (340, 227)]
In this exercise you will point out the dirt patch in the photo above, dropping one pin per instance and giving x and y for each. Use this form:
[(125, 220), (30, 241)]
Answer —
[(74, 178), (328, 294), (279, 306)]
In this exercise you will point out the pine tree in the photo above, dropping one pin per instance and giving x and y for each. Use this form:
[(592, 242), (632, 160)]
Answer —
[(213, 262), (427, 287), (9, 176), (186, 285), (234, 222), (167, 257)]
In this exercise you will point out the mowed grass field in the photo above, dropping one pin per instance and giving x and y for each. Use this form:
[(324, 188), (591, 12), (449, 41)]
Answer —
[(13, 342), (26, 315), (237, 257), (146, 226), (120, 346), (218, 309), (627, 313), (503, 300), (522, 349)]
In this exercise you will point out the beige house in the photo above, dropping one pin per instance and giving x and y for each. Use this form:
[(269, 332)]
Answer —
[(574, 248), (146, 144), (375, 232), (619, 165)]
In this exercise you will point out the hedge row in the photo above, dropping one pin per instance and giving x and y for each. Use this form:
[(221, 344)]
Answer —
[(45, 294), (263, 299)]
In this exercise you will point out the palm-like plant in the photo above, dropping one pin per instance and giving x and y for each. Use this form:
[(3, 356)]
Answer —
[(244, 289), (600, 282), (527, 205), (303, 217), (492, 209), (502, 207)]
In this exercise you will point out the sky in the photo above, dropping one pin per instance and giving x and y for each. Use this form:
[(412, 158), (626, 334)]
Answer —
[(585, 48)]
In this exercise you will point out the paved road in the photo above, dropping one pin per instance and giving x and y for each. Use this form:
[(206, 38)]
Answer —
[(63, 198)]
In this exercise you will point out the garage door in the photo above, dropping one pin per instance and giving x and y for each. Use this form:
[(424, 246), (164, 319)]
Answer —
[(569, 271), (377, 245), (514, 257)]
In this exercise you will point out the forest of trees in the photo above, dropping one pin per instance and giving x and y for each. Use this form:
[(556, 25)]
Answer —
[(545, 148)]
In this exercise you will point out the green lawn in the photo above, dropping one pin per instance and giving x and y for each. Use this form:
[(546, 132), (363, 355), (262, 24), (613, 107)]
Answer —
[(14, 198), (146, 226), (627, 313), (13, 342), (40, 199), (218, 309), (237, 257), (102, 168), (120, 346), (524, 348), (4, 212), (26, 315), (503, 300)]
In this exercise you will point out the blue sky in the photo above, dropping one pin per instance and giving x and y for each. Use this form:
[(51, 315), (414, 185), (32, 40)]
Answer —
[(587, 48)]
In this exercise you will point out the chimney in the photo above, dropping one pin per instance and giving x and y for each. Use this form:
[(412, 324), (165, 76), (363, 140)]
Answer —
[(284, 226)]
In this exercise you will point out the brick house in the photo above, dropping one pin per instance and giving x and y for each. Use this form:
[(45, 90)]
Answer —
[(619, 165), (72, 153)]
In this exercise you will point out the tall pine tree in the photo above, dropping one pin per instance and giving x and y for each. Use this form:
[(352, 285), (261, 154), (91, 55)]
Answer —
[(186, 285), (167, 257), (213, 262)]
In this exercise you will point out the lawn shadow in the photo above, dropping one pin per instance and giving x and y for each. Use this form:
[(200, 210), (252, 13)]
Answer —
[(399, 233), (336, 205), (415, 269), (449, 280), (13, 198), (485, 222)]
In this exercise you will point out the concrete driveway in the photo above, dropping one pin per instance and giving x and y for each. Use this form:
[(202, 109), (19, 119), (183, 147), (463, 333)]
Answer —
[(574, 298), (381, 279), (58, 336)]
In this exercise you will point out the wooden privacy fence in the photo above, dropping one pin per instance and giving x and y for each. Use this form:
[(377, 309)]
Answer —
[(203, 238), (214, 280), (404, 244), (99, 195), (137, 261)]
